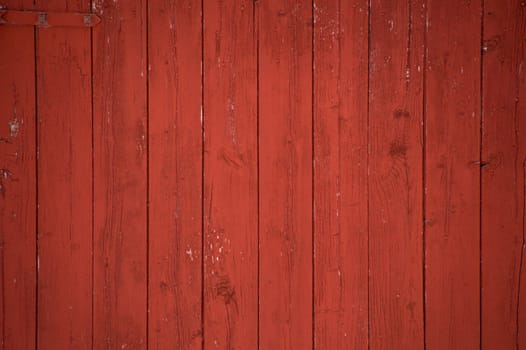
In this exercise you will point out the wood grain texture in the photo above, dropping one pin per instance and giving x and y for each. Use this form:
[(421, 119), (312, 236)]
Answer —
[(175, 174), (64, 184), (267, 174), (230, 176), (395, 175), (503, 187), (452, 175), (285, 144), (120, 175), (340, 174), (17, 186)]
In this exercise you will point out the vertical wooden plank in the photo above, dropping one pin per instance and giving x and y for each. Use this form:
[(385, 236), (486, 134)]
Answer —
[(231, 179), (503, 155), (285, 146), (452, 174), (120, 175), (64, 183), (175, 148), (17, 185), (395, 174), (340, 174)]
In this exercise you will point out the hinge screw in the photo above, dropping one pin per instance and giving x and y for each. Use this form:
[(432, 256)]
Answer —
[(42, 19), (87, 20)]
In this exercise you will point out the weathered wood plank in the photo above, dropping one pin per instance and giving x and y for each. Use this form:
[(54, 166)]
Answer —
[(231, 176), (452, 174), (503, 187), (64, 183), (395, 174), (17, 185), (175, 174), (120, 175), (285, 145), (340, 174)]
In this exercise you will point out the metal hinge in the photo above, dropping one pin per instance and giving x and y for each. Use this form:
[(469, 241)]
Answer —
[(47, 19)]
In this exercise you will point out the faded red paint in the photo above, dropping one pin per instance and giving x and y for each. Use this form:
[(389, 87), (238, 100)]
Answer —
[(276, 174)]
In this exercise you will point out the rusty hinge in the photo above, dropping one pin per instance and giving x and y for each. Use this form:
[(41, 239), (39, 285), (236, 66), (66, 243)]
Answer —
[(47, 18)]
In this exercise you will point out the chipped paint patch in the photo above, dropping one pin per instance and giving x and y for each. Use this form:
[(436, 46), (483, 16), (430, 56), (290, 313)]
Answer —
[(190, 253), (14, 127)]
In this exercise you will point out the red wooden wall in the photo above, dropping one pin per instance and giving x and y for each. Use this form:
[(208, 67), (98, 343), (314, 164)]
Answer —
[(264, 174)]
